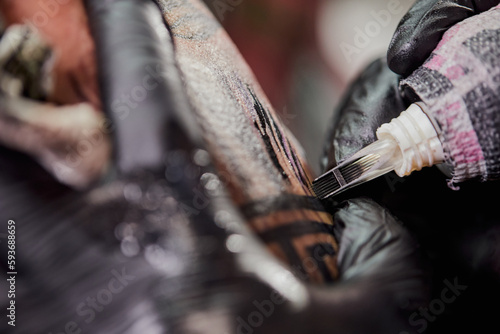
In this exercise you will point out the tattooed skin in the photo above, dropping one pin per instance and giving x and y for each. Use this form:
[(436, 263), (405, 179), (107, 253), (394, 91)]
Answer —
[(257, 156)]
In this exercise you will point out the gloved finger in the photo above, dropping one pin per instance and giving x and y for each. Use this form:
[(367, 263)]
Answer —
[(382, 281), (421, 29), (382, 272), (373, 243), (373, 99), (461, 71)]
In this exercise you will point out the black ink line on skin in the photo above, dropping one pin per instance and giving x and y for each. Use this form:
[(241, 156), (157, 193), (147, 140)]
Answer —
[(302, 176), (283, 141), (264, 121)]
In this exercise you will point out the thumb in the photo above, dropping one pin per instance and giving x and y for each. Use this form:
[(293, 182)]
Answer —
[(376, 248), (382, 277)]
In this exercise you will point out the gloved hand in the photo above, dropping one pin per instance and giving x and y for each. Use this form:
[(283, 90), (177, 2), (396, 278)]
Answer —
[(455, 229), (421, 29)]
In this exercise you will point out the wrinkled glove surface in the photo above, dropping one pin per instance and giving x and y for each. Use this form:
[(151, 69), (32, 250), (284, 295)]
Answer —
[(421, 29), (458, 231)]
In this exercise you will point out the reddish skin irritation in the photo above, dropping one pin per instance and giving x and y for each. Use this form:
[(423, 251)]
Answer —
[(67, 32)]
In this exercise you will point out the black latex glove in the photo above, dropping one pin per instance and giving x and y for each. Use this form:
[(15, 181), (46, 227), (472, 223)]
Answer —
[(152, 261), (421, 29), (456, 229), (372, 99)]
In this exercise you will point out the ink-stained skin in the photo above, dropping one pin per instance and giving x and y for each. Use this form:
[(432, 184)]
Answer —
[(257, 157)]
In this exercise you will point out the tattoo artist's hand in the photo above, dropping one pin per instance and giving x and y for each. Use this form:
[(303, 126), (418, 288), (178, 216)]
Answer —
[(375, 96), (456, 229), (382, 274), (421, 29)]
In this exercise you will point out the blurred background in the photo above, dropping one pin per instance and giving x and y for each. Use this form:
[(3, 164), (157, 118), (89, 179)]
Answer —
[(305, 53)]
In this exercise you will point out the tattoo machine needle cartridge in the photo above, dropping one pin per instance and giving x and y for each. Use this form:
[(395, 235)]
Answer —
[(408, 143)]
